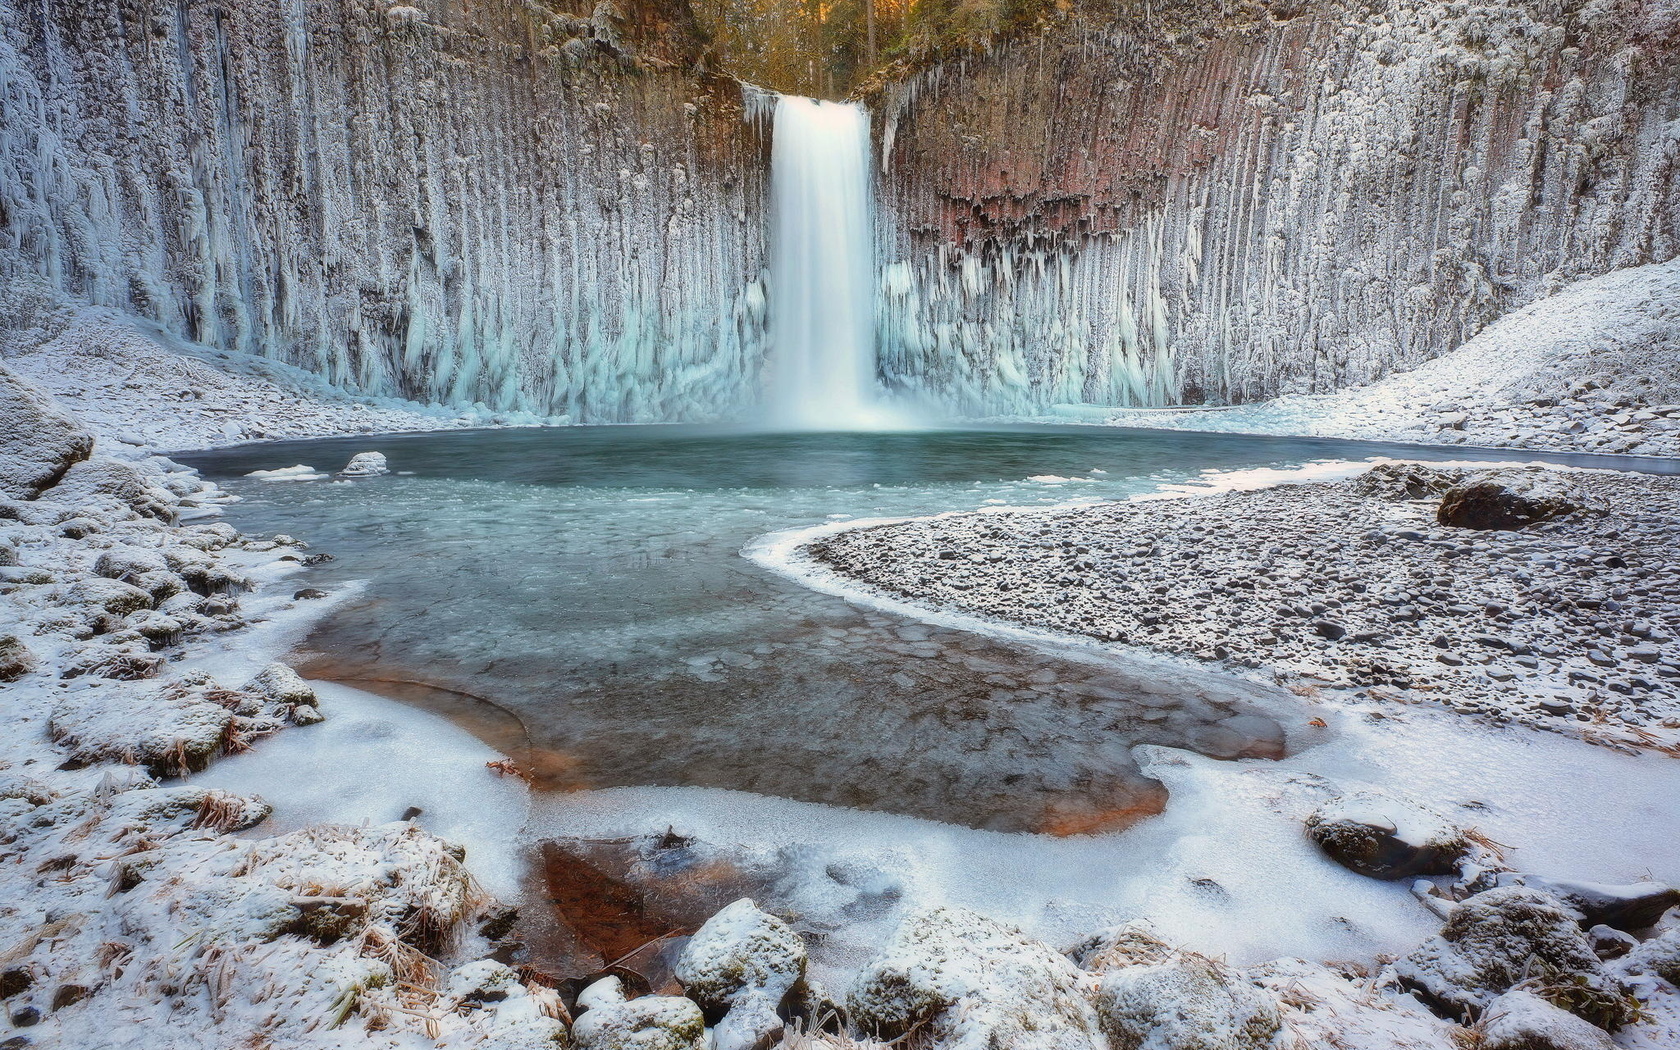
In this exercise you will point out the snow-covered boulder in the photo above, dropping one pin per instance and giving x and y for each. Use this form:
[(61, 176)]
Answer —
[(113, 483), (129, 563), (1189, 1002), (1505, 936), (149, 809), (1406, 481), (411, 884), (1386, 837), (1521, 1020), (483, 981), (1507, 500), (365, 465), (739, 951), (172, 732), (967, 982), (652, 1022), (283, 685), (112, 596), (507, 1014), (1660, 955), (739, 967), (39, 442)]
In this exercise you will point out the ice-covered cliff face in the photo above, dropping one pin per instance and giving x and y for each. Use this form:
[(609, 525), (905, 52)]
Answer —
[(1267, 198), (489, 201), (550, 208)]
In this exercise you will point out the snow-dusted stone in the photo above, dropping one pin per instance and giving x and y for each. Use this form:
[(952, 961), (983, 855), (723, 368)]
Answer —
[(1635, 906), (232, 911), (149, 808), (739, 967), (39, 442), (1406, 481), (741, 950), (652, 1022), (972, 983), (411, 883), (482, 981), (168, 731), (281, 684), (1660, 955), (1189, 1002), (105, 482), (113, 596), (1502, 937), (365, 465), (15, 658), (159, 629), (1507, 500), (1521, 1020), (1386, 837), (129, 564)]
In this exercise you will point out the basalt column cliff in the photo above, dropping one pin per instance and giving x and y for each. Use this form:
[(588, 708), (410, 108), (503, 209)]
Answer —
[(490, 201), (1223, 202)]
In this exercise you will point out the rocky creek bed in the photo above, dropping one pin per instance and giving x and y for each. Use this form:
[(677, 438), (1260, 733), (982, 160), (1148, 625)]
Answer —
[(1566, 619)]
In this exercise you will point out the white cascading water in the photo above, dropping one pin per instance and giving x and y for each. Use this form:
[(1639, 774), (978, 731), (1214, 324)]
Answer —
[(822, 302)]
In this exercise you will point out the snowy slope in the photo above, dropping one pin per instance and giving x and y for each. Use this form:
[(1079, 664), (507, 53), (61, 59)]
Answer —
[(1595, 368)]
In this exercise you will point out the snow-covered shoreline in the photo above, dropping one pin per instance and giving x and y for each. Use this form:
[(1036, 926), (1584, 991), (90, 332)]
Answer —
[(137, 640), (1343, 583), (139, 389)]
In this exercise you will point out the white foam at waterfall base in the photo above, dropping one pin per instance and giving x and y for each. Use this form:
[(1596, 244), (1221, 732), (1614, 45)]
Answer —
[(822, 321)]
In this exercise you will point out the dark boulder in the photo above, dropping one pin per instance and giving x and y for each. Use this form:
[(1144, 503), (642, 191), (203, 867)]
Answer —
[(1386, 838), (1506, 501)]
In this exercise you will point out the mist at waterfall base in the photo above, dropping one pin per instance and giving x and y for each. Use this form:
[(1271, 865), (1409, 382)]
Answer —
[(822, 276)]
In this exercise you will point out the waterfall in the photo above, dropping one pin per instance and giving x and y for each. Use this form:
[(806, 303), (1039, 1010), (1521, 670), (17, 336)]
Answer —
[(822, 302)]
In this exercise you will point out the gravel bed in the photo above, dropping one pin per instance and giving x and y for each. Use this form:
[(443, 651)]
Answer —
[(1569, 623)]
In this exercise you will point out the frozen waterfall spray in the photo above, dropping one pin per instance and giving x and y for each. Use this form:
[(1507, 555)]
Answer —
[(822, 305)]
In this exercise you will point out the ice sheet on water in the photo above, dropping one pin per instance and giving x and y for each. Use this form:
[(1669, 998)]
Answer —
[(294, 473)]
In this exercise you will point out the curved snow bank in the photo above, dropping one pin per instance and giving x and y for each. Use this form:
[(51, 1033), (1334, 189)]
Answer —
[(1594, 368)]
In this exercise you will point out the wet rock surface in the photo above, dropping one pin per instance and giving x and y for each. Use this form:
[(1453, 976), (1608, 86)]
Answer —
[(1569, 623)]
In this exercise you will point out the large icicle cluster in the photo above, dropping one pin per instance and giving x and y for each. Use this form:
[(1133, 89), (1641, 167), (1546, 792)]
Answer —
[(493, 203), (1229, 204)]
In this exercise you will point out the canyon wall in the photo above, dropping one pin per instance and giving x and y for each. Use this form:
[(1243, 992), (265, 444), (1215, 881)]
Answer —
[(559, 208), (1222, 201), (453, 201)]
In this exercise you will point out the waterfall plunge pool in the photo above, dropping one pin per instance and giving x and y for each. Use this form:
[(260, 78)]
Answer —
[(578, 598)]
